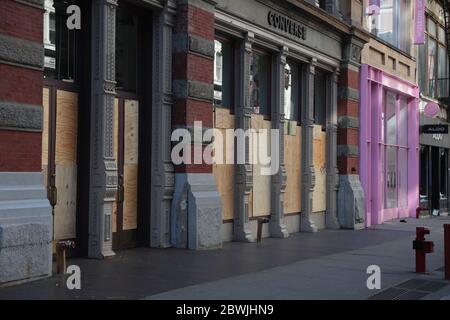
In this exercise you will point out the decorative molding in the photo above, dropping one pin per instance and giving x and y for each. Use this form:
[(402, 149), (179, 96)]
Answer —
[(162, 170), (243, 182), (184, 89), (347, 151), (20, 116), (331, 220), (21, 52), (308, 171), (277, 225), (103, 166), (348, 122), (346, 93), (38, 4)]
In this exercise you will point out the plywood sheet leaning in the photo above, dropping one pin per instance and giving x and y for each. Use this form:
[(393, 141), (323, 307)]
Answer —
[(319, 160), (261, 183), (66, 164), (224, 173), (131, 149), (45, 128), (293, 164)]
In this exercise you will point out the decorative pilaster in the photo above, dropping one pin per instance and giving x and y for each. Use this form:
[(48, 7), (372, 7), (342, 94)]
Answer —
[(351, 202), (278, 181), (243, 172), (103, 167), (162, 173), (331, 221), (308, 173)]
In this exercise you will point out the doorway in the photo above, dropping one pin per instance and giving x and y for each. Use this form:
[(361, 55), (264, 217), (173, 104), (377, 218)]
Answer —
[(132, 125)]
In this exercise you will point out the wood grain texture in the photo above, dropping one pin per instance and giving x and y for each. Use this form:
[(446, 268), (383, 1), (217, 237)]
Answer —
[(131, 145), (65, 209), (261, 183), (293, 164), (45, 130), (66, 128), (130, 202), (224, 173), (131, 132), (319, 160), (66, 164)]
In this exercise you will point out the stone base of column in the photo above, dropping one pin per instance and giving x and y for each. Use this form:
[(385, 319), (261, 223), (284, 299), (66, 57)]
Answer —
[(307, 224), (351, 202), (25, 228), (196, 212), (278, 229)]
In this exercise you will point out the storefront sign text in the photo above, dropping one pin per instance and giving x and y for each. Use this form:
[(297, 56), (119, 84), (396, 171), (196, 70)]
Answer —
[(287, 25), (435, 128)]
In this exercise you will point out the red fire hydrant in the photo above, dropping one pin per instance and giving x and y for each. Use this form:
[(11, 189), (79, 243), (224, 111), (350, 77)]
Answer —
[(422, 247)]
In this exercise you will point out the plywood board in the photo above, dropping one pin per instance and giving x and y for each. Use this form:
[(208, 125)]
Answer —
[(45, 131), (224, 173), (66, 128), (130, 202), (320, 165), (65, 209), (223, 119), (131, 132), (45, 127), (261, 183), (293, 164)]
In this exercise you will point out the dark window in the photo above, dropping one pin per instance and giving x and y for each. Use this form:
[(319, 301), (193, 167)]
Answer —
[(292, 91), (424, 176), (260, 85), (320, 98), (126, 48), (223, 73), (60, 43)]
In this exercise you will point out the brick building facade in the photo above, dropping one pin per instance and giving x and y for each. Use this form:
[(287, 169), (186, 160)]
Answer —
[(86, 118)]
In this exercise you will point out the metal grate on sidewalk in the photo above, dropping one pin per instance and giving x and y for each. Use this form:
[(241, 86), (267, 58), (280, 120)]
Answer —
[(413, 289)]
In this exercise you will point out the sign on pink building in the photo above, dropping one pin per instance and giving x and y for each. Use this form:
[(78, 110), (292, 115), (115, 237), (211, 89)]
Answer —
[(419, 18)]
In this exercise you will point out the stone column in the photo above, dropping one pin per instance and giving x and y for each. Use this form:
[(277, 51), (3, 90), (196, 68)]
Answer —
[(278, 181), (196, 207), (351, 203), (162, 171), (103, 167), (244, 172), (331, 221), (308, 173)]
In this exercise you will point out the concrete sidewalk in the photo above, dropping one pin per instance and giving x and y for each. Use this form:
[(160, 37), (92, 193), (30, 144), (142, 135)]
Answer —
[(330, 264), (338, 276)]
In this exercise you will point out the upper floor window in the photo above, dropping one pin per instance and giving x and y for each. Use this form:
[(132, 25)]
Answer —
[(127, 33), (320, 98), (60, 44), (292, 91), (260, 82), (433, 72), (393, 23), (223, 72)]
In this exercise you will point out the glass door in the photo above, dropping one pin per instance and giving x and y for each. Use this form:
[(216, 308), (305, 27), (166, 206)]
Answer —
[(395, 155)]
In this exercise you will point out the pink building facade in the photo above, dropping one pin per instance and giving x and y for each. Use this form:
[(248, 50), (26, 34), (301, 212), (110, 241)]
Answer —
[(389, 145)]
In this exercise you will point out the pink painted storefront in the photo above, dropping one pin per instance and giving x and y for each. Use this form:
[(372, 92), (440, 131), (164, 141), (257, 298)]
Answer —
[(389, 145)]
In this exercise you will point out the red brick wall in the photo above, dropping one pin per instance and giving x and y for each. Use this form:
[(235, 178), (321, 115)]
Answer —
[(20, 151), (348, 164), (21, 21), (20, 84), (189, 66)]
